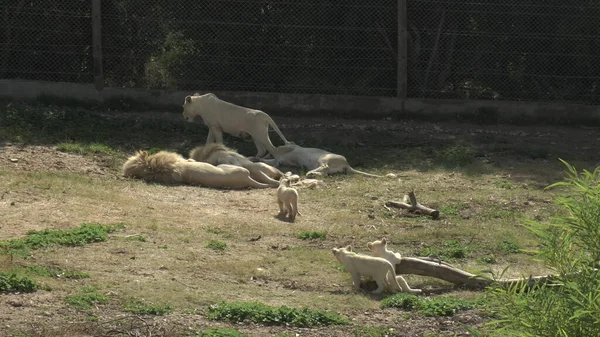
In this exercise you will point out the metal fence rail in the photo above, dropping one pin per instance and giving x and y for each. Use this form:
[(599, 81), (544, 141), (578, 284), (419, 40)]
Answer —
[(492, 50)]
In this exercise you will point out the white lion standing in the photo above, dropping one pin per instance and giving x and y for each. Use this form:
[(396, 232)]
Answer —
[(221, 116)]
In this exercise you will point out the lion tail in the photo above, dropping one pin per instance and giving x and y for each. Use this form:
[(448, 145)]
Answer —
[(276, 128), (350, 169)]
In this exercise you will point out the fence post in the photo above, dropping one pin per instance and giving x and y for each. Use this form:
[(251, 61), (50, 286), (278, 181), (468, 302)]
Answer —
[(97, 44), (402, 70)]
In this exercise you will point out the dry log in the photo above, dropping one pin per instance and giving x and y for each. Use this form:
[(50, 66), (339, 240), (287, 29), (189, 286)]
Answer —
[(413, 206), (443, 271)]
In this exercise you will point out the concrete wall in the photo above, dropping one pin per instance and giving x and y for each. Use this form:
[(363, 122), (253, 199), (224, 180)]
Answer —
[(318, 105)]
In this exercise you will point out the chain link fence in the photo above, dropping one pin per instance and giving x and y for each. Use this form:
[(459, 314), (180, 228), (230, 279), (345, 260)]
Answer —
[(46, 40), (505, 50), (491, 50)]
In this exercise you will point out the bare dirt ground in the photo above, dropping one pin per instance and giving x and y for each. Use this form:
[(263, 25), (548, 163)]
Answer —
[(167, 215)]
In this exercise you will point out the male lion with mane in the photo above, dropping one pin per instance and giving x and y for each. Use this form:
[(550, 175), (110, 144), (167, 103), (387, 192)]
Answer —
[(171, 168), (221, 116), (217, 154)]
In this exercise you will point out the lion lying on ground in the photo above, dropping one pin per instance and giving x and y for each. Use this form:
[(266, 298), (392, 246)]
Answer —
[(238, 121), (217, 154), (318, 162), (379, 249), (381, 270), (171, 168)]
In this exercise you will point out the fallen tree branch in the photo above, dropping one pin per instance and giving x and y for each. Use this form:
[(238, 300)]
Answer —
[(443, 271), (413, 206)]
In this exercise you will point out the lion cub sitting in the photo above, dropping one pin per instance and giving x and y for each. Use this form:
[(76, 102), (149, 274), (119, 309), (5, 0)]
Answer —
[(381, 270), (287, 198), (379, 249)]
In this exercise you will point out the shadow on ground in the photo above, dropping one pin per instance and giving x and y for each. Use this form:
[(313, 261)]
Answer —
[(385, 145)]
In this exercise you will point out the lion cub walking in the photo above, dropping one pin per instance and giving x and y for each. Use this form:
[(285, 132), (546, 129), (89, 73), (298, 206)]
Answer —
[(287, 198), (381, 270), (379, 249)]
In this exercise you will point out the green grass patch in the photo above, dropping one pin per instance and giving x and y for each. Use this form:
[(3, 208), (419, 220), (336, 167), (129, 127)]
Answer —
[(85, 149), (218, 332), (139, 238), (496, 212), (452, 209), (139, 307), (503, 183), (339, 267), (509, 246), (372, 331), (87, 297), (17, 283), (216, 245), (487, 259), (454, 156), (431, 307), (51, 271), (85, 234), (260, 313), (311, 235), (451, 250)]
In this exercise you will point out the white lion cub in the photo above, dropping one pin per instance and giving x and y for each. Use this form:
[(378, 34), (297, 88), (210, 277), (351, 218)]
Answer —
[(381, 270), (287, 198), (379, 249)]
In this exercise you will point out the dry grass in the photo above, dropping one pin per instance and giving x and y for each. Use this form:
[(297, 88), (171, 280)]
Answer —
[(162, 257)]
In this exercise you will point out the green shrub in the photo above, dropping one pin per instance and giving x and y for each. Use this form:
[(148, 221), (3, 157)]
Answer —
[(260, 313), (311, 235), (17, 283), (570, 244)]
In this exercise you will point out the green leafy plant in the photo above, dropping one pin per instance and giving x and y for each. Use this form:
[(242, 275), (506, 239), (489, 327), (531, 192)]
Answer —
[(216, 245), (260, 313), (85, 234), (570, 245), (87, 297), (311, 235), (435, 306), (139, 307), (14, 282)]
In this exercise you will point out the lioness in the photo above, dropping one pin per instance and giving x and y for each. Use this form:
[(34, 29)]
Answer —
[(216, 154), (238, 121), (318, 162), (287, 199), (381, 270), (171, 168), (379, 249)]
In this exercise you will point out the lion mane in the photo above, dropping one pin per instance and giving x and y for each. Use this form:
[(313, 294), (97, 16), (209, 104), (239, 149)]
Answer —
[(171, 168), (160, 167)]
